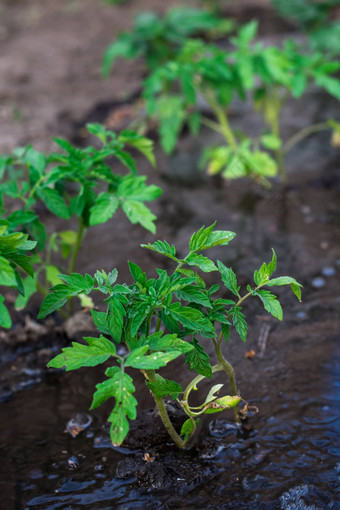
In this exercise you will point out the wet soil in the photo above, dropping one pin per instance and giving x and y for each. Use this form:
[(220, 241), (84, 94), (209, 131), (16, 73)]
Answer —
[(287, 455)]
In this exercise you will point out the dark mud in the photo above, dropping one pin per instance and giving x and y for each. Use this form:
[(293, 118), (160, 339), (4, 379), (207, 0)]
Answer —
[(287, 455)]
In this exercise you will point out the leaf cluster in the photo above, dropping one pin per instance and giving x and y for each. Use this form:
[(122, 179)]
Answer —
[(160, 319), (75, 182), (158, 39), (316, 20), (13, 255), (174, 90)]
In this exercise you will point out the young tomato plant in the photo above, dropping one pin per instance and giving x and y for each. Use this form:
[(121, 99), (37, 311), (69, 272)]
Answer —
[(13, 255), (269, 75), (316, 19), (158, 40), (160, 319), (77, 182)]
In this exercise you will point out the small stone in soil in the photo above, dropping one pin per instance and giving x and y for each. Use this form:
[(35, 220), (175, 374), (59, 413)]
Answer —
[(318, 282), (77, 424), (126, 468), (301, 315), (328, 271), (73, 462), (153, 475)]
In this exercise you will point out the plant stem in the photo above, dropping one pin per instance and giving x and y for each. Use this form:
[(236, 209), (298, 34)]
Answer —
[(76, 248), (303, 133), (212, 125), (223, 121), (198, 379), (41, 289), (228, 369), (73, 259), (279, 153), (164, 415)]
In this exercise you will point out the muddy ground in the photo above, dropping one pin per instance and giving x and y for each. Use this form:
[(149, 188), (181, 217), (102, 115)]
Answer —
[(287, 458)]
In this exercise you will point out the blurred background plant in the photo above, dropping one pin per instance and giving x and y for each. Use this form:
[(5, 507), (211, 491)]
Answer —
[(78, 182)]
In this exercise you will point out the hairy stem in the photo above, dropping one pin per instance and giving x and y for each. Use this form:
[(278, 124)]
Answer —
[(228, 369), (77, 245), (303, 133), (279, 153), (223, 122), (41, 289), (80, 235), (212, 125), (164, 414), (198, 379)]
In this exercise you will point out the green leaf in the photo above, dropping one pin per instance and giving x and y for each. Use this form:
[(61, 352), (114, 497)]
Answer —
[(296, 289), (30, 287), (222, 403), (134, 188), (271, 142), (115, 318), (55, 300), (239, 322), (96, 352), (213, 394), (23, 261), (77, 282), (199, 360), (139, 317), (193, 295), (261, 276), (270, 303), (192, 319), (3, 226), (137, 274), (228, 278), (139, 213), (100, 321), (272, 264), (5, 318), (247, 32), (207, 238), (52, 273), (226, 331), (7, 273), (120, 386), (157, 342), (104, 208), (199, 239), (204, 263), (138, 359), (119, 425), (330, 84), (122, 47), (187, 429), (141, 143), (164, 387), (127, 160), (36, 159), (171, 114), (282, 280), (163, 248), (54, 202)]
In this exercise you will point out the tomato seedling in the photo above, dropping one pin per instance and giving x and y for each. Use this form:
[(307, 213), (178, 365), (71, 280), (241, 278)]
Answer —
[(158, 40), (159, 319), (269, 75), (78, 182)]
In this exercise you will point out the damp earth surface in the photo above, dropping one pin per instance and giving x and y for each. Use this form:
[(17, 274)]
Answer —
[(55, 454)]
